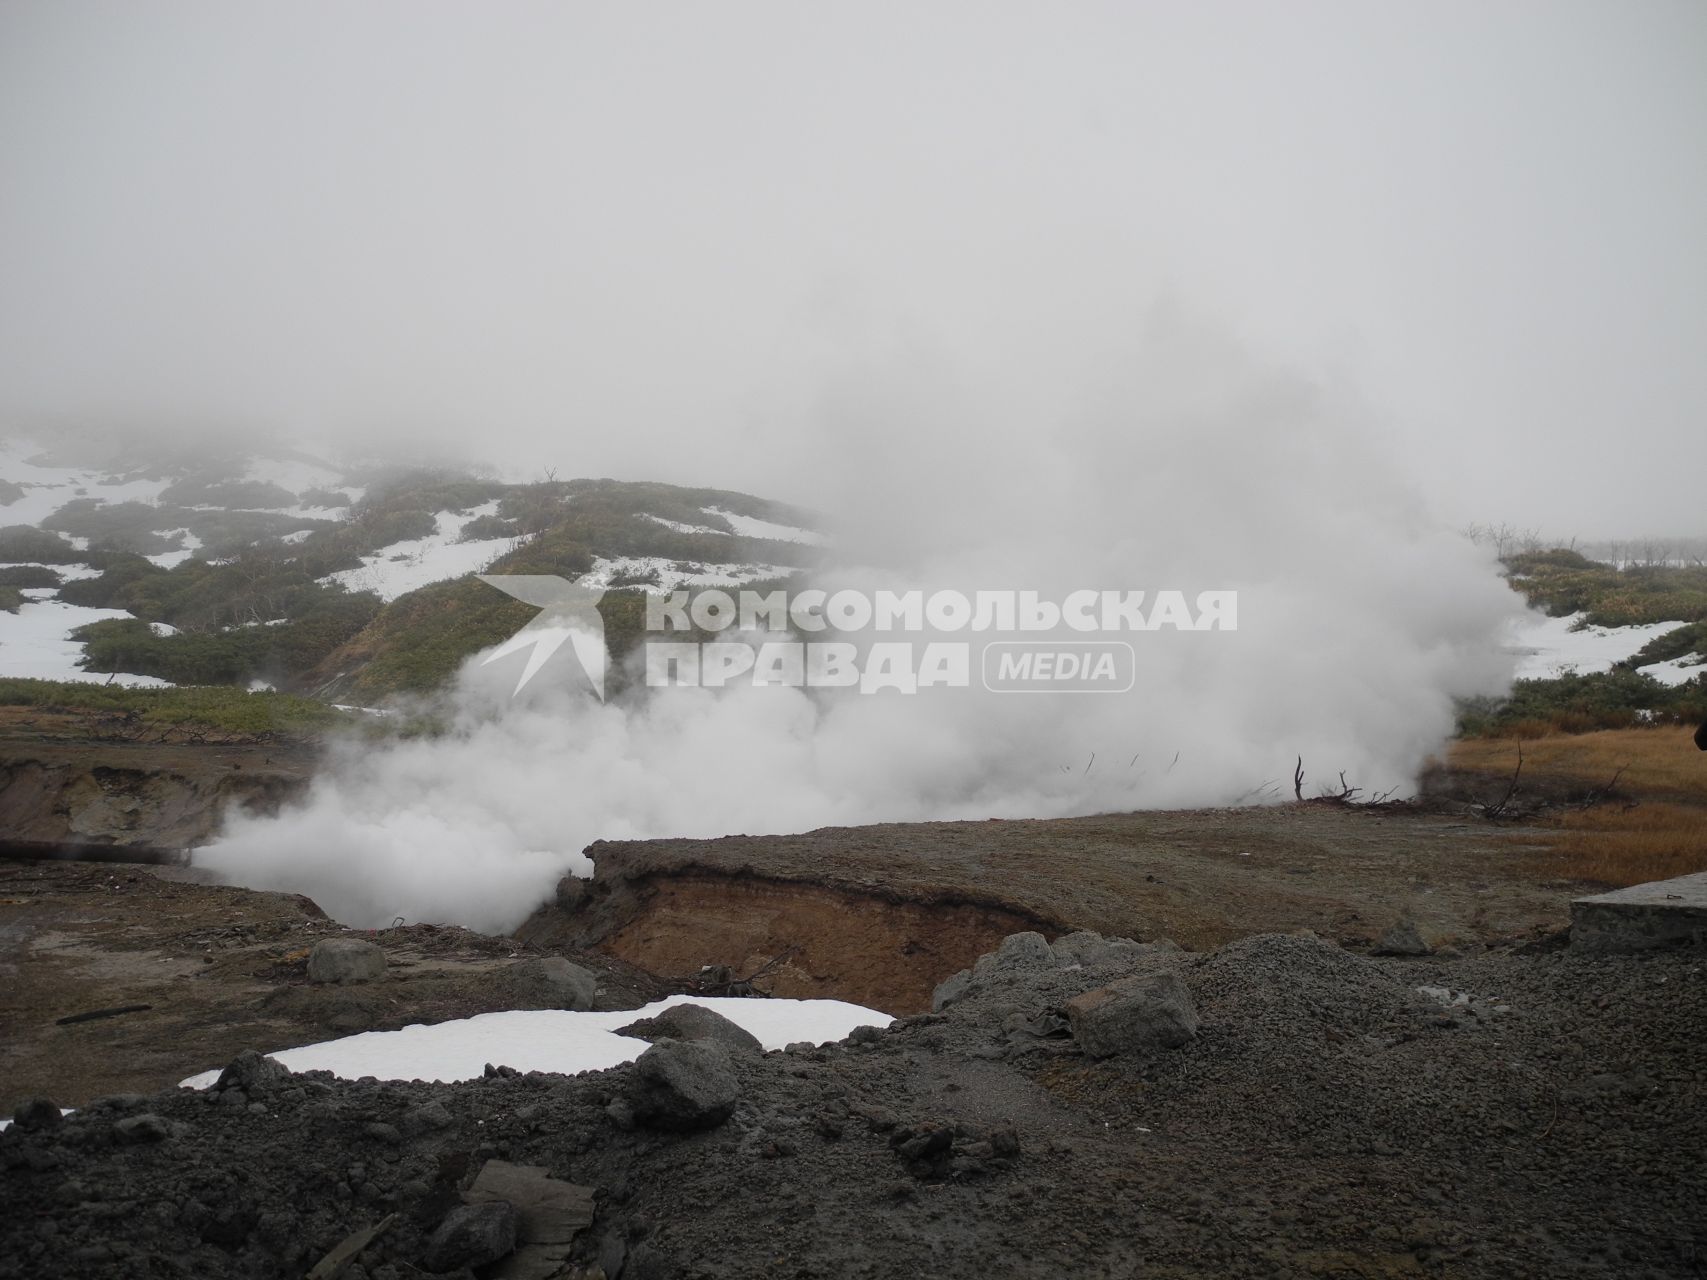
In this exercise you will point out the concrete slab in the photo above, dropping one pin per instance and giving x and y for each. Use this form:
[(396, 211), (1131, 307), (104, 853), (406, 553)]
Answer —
[(1662, 913)]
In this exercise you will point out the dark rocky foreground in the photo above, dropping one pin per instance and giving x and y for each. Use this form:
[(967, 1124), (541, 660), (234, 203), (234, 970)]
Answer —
[(1277, 1107)]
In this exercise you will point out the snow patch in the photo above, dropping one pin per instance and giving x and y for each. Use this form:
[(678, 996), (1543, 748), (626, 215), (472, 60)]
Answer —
[(66, 572), (671, 578), (48, 488), (35, 642), (1548, 647), (552, 1040), (751, 527), (408, 566), (679, 527), (188, 545)]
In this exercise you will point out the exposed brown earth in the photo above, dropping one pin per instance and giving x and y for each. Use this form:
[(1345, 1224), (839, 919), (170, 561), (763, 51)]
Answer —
[(73, 787), (881, 914)]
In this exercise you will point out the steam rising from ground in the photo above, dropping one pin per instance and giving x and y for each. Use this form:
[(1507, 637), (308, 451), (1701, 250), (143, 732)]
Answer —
[(1177, 465)]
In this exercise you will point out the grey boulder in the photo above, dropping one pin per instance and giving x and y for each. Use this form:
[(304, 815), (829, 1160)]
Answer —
[(693, 1022), (682, 1084), (472, 1235), (1137, 1015), (345, 960)]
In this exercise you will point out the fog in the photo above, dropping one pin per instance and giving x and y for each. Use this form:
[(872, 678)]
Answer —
[(648, 241), (1115, 296)]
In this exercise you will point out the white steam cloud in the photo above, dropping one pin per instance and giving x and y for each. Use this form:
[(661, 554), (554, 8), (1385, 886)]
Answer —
[(1172, 463)]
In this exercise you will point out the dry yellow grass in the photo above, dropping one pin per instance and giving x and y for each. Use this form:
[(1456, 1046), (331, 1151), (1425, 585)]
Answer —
[(1654, 827), (1656, 762), (1619, 844)]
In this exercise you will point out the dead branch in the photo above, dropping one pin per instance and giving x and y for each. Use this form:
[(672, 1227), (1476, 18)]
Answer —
[(1496, 811)]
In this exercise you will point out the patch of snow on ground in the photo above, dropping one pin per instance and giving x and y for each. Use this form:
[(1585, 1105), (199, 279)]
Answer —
[(295, 474), (679, 527), (408, 566), (47, 489), (552, 1040), (188, 545), (671, 578), (1676, 671), (36, 642), (751, 527), (66, 572), (1548, 647)]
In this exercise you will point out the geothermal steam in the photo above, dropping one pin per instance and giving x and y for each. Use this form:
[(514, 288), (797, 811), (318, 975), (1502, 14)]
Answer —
[(1186, 468)]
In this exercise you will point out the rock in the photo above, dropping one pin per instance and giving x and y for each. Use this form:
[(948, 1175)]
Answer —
[(551, 982), (1403, 939), (146, 1127), (1135, 1015), (680, 1084), (548, 1210), (253, 1073), (951, 990), (426, 1118), (36, 1114), (472, 1235), (1081, 947), (867, 1034), (1025, 951), (345, 960), (694, 1022)]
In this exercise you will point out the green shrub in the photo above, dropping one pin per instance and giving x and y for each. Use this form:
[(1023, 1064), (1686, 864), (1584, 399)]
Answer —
[(28, 575), (1676, 643), (25, 542), (227, 709), (1561, 583), (197, 492), (1574, 703), (116, 526)]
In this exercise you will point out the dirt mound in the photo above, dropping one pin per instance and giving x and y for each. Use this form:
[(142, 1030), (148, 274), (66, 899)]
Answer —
[(1527, 1114)]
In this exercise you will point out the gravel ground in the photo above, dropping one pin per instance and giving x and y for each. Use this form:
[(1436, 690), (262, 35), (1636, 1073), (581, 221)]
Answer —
[(1538, 1114)]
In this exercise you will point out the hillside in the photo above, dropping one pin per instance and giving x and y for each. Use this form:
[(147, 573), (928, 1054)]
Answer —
[(355, 583), (286, 571)]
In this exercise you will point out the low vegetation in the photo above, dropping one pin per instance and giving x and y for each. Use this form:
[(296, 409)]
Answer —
[(28, 543), (1625, 806), (219, 708), (1573, 703), (1562, 582)]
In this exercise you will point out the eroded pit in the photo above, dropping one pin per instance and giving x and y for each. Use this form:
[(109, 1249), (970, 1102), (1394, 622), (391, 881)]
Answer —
[(805, 940)]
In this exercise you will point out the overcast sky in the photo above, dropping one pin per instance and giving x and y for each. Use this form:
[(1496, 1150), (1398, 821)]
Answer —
[(642, 240)]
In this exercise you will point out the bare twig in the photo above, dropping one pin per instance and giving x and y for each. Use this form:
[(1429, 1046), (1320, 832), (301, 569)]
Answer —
[(1495, 811)]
